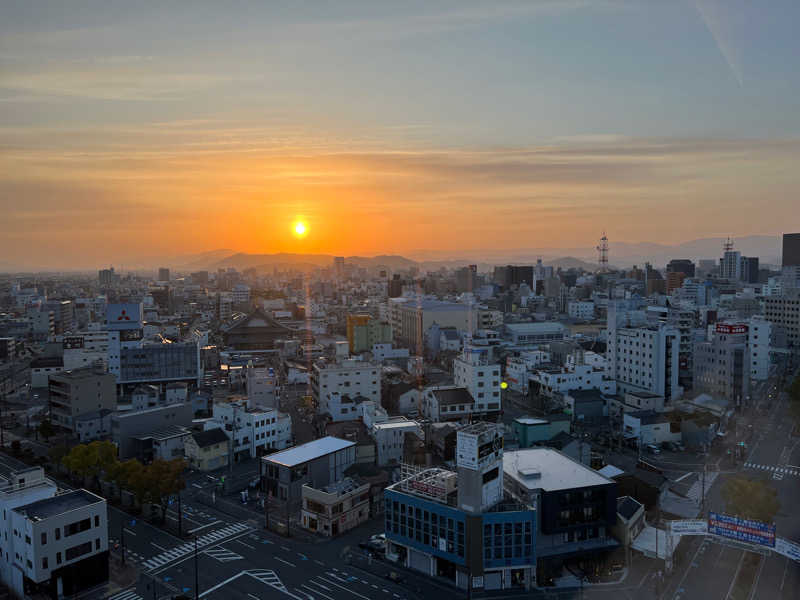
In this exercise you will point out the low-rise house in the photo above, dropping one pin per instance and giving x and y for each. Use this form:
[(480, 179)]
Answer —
[(207, 450), (447, 403), (630, 520), (650, 427)]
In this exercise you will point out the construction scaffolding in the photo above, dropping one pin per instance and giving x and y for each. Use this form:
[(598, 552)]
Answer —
[(430, 483)]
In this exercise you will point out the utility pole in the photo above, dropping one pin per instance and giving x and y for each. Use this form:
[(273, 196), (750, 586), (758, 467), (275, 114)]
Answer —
[(196, 576), (180, 516), (122, 541)]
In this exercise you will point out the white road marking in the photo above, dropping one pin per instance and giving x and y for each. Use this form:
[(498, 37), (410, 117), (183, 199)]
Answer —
[(246, 545), (319, 562), (159, 547), (126, 530), (203, 526), (316, 591), (344, 588), (286, 562)]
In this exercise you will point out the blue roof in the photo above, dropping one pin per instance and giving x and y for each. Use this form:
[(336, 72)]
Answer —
[(307, 452)]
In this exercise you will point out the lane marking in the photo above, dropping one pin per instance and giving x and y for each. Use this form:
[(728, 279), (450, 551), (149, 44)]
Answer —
[(159, 547), (246, 545), (286, 562), (344, 588), (316, 591), (133, 533), (203, 526)]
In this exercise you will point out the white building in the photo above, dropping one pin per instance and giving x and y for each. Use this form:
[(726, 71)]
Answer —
[(389, 439), (582, 311), (447, 403), (261, 385), (650, 427), (53, 543), (255, 431), (519, 368), (643, 358), (560, 380), (758, 346), (382, 352), (535, 333), (473, 371), (349, 378)]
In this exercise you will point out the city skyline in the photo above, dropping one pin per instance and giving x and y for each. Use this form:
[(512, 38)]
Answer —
[(157, 132)]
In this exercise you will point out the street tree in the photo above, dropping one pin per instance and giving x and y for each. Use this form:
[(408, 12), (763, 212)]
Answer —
[(750, 499), (166, 480), (46, 429)]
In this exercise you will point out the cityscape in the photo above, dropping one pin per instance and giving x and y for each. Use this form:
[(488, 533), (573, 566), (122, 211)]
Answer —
[(379, 302)]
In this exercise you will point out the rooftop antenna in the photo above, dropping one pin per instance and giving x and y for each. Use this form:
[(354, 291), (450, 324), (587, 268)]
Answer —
[(602, 251), (728, 245)]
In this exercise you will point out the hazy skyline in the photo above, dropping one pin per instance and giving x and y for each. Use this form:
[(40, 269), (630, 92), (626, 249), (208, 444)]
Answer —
[(140, 129)]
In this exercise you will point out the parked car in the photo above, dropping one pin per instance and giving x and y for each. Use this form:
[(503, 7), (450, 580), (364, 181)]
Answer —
[(394, 577), (652, 449)]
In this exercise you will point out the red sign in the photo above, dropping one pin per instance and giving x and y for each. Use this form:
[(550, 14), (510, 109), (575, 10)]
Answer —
[(731, 328)]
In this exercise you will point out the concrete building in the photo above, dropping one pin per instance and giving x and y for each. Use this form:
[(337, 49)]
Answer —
[(650, 427), (644, 358), (721, 366), (80, 392), (581, 310), (530, 430), (42, 367), (163, 274), (759, 347), (364, 331), (130, 430), (241, 294), (390, 437), (56, 545), (576, 506), (634, 401), (411, 319), (254, 431), (535, 333), (558, 381), (784, 311), (318, 463), (349, 378), (261, 385), (474, 371), (337, 507), (207, 450)]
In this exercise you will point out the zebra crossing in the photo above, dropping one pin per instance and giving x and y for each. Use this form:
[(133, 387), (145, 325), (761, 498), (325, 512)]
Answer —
[(213, 537), (778, 473), (126, 595), (222, 555), (696, 491), (269, 578)]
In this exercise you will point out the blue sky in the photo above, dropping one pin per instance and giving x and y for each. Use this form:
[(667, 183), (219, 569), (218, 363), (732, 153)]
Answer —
[(115, 79)]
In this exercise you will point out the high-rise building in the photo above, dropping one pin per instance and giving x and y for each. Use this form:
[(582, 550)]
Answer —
[(750, 269), (395, 286), (681, 265), (721, 364), (783, 310), (513, 275), (163, 274), (473, 371), (338, 266), (107, 277), (791, 250)]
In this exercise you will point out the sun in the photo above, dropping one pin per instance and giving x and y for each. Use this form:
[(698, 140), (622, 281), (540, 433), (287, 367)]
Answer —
[(300, 229)]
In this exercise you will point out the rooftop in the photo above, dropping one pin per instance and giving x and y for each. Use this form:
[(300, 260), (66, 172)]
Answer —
[(309, 451), (627, 507), (57, 505), (531, 421), (452, 395), (165, 433), (396, 423), (549, 470), (535, 327), (209, 437)]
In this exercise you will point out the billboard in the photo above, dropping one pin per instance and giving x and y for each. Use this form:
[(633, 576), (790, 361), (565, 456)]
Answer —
[(689, 527), (742, 530), (124, 316), (787, 548), (73, 342)]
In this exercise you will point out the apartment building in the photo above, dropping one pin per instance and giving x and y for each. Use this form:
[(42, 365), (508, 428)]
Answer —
[(77, 393), (784, 311), (255, 431), (721, 366), (349, 378), (473, 371)]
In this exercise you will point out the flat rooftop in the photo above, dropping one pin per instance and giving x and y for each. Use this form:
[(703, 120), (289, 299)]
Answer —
[(531, 421), (396, 423), (307, 452), (57, 505), (549, 470)]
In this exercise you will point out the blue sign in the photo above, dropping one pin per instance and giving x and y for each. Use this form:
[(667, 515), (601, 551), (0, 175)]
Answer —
[(133, 522), (742, 530)]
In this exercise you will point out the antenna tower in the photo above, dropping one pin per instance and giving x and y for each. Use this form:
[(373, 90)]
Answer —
[(727, 245), (602, 252)]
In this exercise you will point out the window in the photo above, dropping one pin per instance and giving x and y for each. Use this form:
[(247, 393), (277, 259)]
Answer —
[(78, 550), (28, 539), (58, 533), (96, 521), (77, 527), (44, 563), (44, 538), (58, 558), (97, 544)]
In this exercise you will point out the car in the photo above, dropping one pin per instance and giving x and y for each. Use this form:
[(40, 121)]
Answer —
[(652, 449), (394, 577)]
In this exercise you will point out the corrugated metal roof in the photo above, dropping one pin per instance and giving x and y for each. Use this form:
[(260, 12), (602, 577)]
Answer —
[(307, 452)]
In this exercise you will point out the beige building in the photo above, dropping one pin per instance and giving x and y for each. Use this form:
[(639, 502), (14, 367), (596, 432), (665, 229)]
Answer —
[(207, 450), (336, 508)]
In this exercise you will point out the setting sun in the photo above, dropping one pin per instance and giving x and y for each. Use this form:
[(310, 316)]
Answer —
[(300, 229)]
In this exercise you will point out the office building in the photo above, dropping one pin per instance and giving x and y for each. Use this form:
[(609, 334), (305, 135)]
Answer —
[(318, 463), (254, 431), (107, 277), (457, 526), (759, 346), (721, 364), (790, 256), (576, 507), (681, 265), (535, 333), (133, 431), (513, 275), (79, 393), (411, 319), (643, 358), (783, 311), (335, 508), (750, 269), (364, 331)]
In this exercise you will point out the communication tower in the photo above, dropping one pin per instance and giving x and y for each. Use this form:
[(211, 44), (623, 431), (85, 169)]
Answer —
[(602, 251)]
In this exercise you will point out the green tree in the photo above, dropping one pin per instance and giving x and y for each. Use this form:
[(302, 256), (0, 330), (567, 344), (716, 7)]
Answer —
[(82, 461), (750, 499), (133, 477), (46, 429), (56, 454), (165, 480)]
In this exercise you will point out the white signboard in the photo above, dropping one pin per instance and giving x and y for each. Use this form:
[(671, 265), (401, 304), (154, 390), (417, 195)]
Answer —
[(467, 449), (689, 527), (787, 548)]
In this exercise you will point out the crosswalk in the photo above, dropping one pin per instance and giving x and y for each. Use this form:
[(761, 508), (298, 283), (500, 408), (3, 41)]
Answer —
[(268, 577), (212, 537), (696, 491), (778, 473), (126, 595), (222, 555)]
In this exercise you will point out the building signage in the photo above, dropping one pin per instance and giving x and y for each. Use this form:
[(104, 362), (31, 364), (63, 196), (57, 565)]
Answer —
[(743, 530), (427, 488), (787, 548), (689, 527), (731, 328), (73, 342), (124, 316)]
